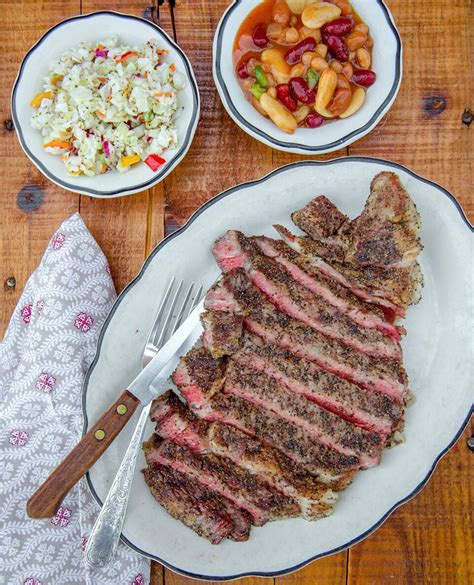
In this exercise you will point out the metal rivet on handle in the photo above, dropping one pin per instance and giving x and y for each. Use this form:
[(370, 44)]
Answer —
[(99, 435), (470, 443), (121, 409)]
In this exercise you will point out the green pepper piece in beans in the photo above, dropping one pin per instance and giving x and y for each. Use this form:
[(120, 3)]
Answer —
[(257, 91), (260, 76), (312, 77)]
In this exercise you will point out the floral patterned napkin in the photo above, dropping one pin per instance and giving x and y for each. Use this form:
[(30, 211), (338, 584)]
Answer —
[(44, 356)]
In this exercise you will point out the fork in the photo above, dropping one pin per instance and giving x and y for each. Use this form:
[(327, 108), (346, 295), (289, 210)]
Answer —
[(105, 535)]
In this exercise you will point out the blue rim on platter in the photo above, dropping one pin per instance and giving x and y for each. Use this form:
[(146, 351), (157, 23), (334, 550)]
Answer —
[(164, 242), (303, 148), (179, 155)]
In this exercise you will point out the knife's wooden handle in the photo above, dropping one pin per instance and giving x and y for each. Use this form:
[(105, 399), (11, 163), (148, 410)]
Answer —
[(45, 501)]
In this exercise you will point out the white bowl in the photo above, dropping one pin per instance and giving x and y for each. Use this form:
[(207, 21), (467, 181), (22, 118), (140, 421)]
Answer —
[(387, 63), (93, 27)]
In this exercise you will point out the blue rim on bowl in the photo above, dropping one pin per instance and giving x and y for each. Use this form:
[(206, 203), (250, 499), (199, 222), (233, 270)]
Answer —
[(168, 239), (177, 156), (288, 145)]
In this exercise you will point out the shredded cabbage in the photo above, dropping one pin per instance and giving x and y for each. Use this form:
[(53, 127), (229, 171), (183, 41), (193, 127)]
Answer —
[(105, 104)]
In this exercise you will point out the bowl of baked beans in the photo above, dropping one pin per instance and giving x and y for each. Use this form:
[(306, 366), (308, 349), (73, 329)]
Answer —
[(307, 76)]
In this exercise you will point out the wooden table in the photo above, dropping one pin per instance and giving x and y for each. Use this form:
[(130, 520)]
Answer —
[(427, 541)]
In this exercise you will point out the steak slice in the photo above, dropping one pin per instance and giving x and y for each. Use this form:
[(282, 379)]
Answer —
[(373, 411), (203, 510), (387, 233), (333, 468), (303, 271), (222, 333), (244, 489), (320, 218), (314, 498), (235, 293), (378, 250), (180, 424), (199, 376), (298, 301), (365, 283), (321, 425)]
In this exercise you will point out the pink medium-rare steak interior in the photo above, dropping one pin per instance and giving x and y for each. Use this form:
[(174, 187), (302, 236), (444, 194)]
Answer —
[(298, 381), (296, 300)]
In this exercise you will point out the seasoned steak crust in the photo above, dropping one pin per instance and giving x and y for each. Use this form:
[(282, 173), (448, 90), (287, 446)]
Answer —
[(322, 425), (314, 497), (326, 464), (305, 272), (320, 218), (235, 293), (243, 488), (222, 332), (296, 300), (199, 376), (371, 410), (201, 509)]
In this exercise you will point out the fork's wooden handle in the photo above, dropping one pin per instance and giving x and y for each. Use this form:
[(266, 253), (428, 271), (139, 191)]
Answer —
[(46, 500)]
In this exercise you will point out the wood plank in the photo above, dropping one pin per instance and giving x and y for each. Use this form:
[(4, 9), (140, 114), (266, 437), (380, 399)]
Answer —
[(429, 540), (31, 207), (157, 574), (327, 571), (424, 128), (221, 154), (175, 579)]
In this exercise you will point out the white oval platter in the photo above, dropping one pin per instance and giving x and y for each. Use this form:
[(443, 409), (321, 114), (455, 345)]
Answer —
[(437, 357)]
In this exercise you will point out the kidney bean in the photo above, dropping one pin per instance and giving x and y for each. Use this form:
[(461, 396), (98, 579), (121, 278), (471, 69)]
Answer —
[(338, 27), (364, 77), (242, 70), (294, 55), (314, 120), (300, 91), (338, 48), (283, 94), (259, 36)]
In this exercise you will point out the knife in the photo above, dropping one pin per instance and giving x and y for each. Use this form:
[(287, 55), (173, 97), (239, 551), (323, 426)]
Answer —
[(150, 383)]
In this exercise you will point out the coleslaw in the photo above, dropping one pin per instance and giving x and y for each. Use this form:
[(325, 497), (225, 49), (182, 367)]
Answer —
[(107, 106)]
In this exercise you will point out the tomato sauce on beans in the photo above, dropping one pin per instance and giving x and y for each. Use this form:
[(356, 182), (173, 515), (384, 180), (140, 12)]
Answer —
[(283, 51)]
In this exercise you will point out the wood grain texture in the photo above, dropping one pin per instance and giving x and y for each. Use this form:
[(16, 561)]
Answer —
[(424, 128), (428, 540), (27, 219)]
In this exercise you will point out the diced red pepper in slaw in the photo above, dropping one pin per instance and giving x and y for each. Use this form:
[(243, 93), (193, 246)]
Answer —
[(154, 161)]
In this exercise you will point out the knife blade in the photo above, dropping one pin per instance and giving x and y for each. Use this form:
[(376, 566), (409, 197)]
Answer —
[(150, 381)]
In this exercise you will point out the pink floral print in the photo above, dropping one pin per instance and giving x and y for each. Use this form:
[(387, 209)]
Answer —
[(58, 241), (45, 382), (26, 313), (18, 437), (62, 517), (83, 322)]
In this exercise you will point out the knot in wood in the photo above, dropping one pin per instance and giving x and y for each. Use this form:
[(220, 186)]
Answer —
[(434, 105), (10, 283), (30, 197), (466, 117), (8, 125)]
